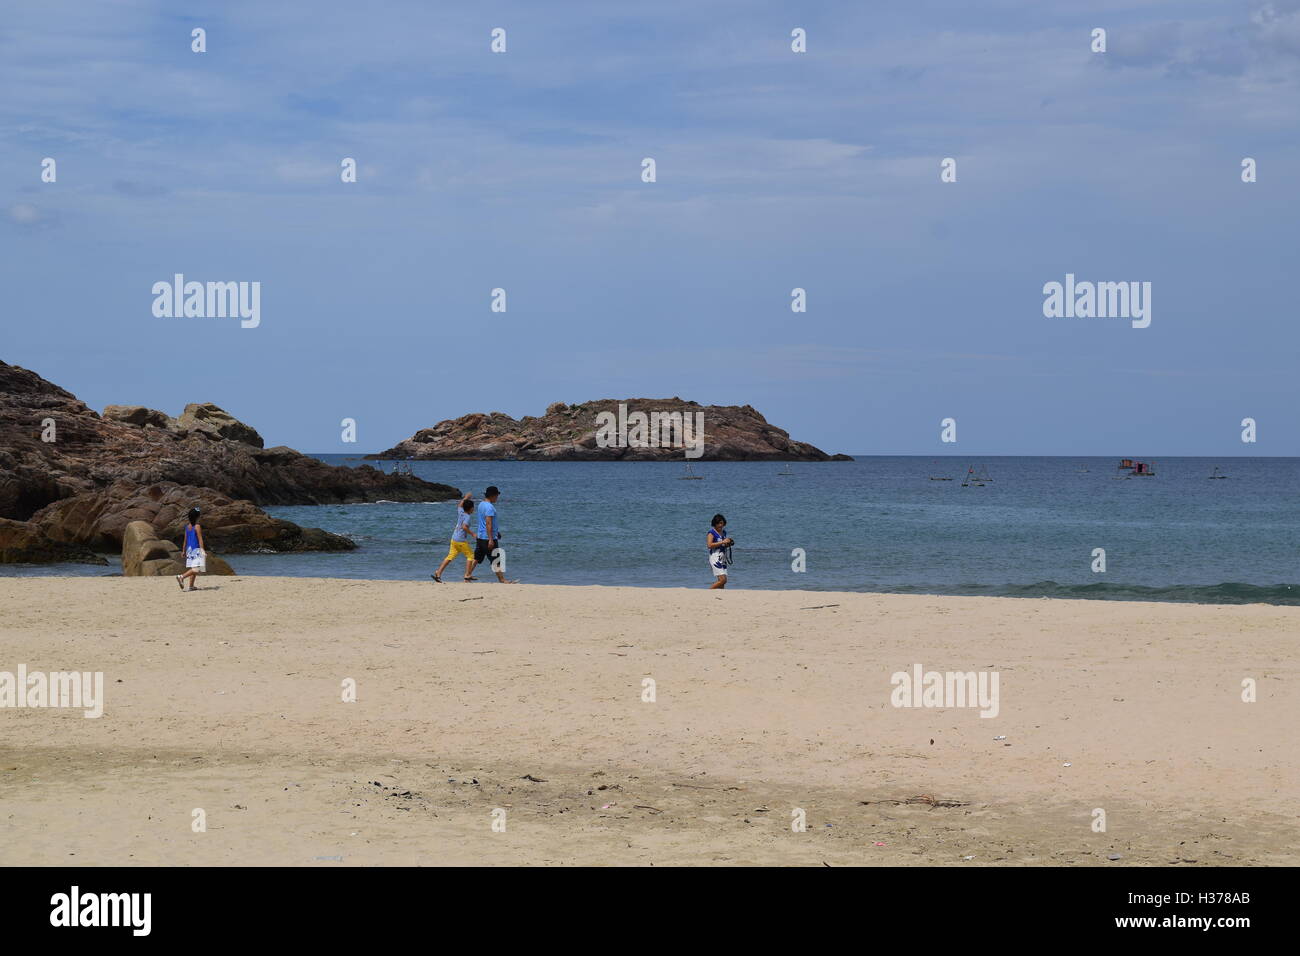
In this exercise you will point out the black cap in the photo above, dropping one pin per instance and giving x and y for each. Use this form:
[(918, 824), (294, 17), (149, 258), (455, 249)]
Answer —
[(491, 490)]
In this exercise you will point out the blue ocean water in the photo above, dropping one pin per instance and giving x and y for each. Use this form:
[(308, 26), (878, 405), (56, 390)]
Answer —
[(875, 524)]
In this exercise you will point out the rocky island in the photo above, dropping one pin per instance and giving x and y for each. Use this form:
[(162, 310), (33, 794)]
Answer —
[(72, 480), (583, 433)]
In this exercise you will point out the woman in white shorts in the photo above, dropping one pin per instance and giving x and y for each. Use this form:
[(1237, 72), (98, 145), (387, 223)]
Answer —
[(719, 551)]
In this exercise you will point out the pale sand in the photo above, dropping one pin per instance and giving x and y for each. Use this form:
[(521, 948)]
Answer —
[(229, 700)]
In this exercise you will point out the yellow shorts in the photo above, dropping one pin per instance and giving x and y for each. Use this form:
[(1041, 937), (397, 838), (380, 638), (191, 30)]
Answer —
[(460, 547)]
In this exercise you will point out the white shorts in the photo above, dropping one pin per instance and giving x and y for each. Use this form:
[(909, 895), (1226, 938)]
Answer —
[(718, 562)]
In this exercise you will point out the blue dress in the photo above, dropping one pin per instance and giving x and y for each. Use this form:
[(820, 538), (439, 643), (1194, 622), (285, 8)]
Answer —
[(193, 553)]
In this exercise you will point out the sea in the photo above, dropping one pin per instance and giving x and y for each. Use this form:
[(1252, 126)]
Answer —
[(1028, 527)]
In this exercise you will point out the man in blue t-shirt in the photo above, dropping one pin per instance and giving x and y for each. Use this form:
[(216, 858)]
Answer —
[(487, 545)]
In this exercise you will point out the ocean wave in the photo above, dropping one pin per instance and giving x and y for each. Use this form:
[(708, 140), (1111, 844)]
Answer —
[(386, 501), (1229, 592)]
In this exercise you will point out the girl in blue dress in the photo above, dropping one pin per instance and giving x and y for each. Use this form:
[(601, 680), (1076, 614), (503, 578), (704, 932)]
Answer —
[(195, 559)]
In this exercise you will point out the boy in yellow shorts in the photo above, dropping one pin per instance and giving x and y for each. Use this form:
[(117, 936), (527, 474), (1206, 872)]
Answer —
[(460, 541)]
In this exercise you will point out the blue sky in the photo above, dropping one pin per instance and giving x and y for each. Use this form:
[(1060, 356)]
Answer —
[(776, 170)]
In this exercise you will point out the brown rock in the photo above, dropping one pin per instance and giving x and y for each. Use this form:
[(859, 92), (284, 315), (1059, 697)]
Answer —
[(139, 416), (218, 565), (100, 518), (159, 567), (146, 555), (22, 542), (142, 447), (569, 433), (137, 540), (210, 419)]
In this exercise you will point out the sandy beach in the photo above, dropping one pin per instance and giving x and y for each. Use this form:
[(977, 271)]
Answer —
[(478, 698)]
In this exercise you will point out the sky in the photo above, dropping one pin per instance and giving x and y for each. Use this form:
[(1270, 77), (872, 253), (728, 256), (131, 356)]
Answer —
[(775, 170)]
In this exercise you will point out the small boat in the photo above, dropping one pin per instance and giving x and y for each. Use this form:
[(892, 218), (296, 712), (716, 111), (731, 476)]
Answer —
[(973, 480), (1215, 475), (690, 474), (1144, 469), (1126, 463), (786, 472)]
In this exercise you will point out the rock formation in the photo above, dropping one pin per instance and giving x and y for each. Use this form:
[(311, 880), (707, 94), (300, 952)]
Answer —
[(78, 478), (204, 417), (99, 519), (144, 554), (139, 415), (22, 542), (570, 433)]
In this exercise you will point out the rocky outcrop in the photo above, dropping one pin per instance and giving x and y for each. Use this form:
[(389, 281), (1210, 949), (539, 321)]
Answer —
[(210, 420), (218, 423), (574, 433), (139, 415), (53, 448), (22, 542), (100, 518), (144, 554)]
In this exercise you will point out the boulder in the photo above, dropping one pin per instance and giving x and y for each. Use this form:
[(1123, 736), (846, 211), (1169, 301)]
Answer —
[(144, 554), (138, 540), (232, 526), (139, 416), (210, 419), (22, 542)]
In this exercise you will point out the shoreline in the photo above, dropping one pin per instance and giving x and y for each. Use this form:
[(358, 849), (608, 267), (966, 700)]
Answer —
[(1141, 594), (766, 702)]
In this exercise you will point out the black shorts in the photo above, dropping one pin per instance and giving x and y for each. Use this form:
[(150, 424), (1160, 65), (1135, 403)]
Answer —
[(483, 550)]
